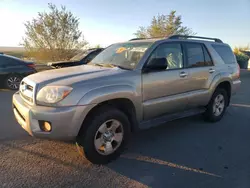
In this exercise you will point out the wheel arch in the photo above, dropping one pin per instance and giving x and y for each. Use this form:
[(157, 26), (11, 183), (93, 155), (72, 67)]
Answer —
[(123, 104), (226, 85)]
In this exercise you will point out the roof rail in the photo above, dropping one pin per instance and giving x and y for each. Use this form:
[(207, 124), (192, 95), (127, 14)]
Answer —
[(137, 39), (146, 38), (194, 37), (94, 48)]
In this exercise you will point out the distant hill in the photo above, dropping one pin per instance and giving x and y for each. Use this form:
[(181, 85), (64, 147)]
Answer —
[(14, 51), (11, 49)]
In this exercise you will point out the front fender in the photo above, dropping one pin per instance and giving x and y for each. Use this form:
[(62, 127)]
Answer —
[(101, 94), (105, 93)]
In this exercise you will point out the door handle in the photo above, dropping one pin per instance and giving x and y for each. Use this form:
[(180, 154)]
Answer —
[(183, 74), (211, 71)]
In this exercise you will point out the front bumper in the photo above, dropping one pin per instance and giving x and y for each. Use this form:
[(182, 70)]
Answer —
[(65, 121)]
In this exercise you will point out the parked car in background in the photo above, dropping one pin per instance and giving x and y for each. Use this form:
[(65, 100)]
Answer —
[(80, 59), (129, 86), (13, 70)]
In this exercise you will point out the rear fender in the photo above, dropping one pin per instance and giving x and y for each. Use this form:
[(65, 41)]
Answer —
[(222, 77)]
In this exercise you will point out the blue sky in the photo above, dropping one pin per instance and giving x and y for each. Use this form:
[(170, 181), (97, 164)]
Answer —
[(108, 21)]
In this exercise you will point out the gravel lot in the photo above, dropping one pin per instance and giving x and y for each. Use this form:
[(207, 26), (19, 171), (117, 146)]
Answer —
[(184, 153)]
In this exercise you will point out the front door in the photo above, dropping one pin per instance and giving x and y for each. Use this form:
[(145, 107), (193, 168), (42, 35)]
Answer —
[(164, 90)]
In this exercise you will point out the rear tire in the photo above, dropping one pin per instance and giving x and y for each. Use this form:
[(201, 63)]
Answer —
[(90, 138), (217, 106), (13, 81)]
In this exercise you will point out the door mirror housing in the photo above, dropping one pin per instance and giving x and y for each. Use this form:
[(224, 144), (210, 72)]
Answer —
[(156, 64)]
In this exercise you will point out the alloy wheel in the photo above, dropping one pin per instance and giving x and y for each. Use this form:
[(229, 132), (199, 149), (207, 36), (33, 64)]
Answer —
[(218, 105), (109, 137), (13, 82)]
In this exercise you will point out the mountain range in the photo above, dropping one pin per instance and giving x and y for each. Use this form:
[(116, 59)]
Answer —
[(11, 49)]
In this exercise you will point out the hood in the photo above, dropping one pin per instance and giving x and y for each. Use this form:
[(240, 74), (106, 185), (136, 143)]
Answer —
[(66, 76)]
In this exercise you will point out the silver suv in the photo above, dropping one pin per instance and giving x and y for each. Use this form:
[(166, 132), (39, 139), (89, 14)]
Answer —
[(129, 86)]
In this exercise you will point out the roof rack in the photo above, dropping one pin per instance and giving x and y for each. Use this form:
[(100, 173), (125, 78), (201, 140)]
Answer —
[(137, 39), (145, 38), (182, 37), (194, 37)]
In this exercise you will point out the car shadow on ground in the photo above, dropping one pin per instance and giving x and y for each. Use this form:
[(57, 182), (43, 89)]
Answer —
[(2, 88), (177, 150), (186, 151), (172, 151)]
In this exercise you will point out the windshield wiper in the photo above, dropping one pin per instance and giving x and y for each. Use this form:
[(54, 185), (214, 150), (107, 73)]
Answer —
[(109, 65), (97, 64), (121, 67)]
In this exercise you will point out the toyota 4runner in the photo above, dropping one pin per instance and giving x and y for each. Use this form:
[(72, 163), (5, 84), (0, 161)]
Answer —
[(129, 86)]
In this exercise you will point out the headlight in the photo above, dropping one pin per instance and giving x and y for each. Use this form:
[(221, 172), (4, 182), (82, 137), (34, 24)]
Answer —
[(53, 94)]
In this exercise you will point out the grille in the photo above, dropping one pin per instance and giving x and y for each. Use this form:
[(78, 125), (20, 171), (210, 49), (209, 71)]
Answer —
[(27, 92)]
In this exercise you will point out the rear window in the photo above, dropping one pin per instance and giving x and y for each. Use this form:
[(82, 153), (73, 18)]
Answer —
[(9, 60), (225, 53), (197, 55)]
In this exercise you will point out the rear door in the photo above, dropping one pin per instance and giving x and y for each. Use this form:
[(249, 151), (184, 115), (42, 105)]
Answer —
[(9, 65), (201, 73), (3, 68)]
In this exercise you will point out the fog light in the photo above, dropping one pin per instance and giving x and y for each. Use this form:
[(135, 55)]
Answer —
[(45, 126)]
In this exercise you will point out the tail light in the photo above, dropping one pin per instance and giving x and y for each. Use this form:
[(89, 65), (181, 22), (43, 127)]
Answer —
[(31, 65), (238, 71)]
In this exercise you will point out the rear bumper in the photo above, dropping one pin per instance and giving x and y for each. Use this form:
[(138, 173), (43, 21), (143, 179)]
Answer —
[(65, 121), (235, 86)]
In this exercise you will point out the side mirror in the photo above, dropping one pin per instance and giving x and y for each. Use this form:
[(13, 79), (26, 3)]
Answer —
[(157, 64)]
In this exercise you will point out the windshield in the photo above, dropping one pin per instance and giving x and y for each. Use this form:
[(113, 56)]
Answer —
[(123, 55), (80, 56)]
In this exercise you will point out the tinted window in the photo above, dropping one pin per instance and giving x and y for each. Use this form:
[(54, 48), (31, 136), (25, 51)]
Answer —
[(225, 53), (197, 56), (9, 61), (208, 59), (172, 52), (1, 61), (92, 56)]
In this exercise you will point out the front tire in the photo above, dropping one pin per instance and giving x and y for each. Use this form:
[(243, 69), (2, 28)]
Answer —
[(217, 105), (106, 135)]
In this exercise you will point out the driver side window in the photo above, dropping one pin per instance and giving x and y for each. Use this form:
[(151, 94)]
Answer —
[(172, 52)]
